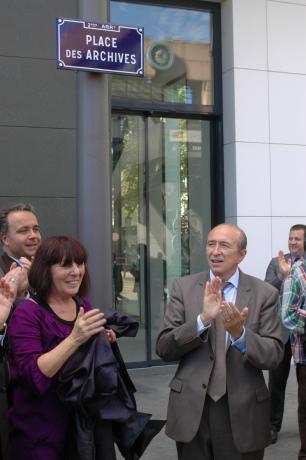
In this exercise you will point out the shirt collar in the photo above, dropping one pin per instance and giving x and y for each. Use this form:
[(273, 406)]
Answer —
[(296, 258), (234, 279)]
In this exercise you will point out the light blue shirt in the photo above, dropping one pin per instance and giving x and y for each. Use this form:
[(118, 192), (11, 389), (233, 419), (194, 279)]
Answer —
[(230, 294)]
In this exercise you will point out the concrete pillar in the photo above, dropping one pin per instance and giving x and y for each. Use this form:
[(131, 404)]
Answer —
[(94, 166)]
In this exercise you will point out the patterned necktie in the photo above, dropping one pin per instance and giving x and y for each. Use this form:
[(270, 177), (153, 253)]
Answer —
[(217, 382)]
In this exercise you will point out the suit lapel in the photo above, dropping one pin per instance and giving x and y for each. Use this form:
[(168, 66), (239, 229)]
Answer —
[(199, 293), (244, 292), (199, 301)]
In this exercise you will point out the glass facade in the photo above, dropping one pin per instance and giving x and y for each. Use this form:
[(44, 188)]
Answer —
[(178, 54), (162, 165)]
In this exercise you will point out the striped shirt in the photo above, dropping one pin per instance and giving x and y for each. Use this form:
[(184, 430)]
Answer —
[(294, 308)]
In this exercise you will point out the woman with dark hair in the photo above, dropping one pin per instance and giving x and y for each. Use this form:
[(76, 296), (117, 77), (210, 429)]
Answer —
[(43, 334)]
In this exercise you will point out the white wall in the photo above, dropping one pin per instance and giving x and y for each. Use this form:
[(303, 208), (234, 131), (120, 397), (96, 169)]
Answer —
[(264, 112)]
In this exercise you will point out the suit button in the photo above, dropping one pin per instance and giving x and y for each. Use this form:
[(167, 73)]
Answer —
[(204, 386), (211, 357)]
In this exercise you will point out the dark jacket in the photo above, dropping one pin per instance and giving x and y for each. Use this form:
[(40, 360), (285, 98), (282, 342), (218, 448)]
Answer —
[(95, 384), (5, 264)]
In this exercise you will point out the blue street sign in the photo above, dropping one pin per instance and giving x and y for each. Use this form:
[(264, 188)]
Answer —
[(98, 47)]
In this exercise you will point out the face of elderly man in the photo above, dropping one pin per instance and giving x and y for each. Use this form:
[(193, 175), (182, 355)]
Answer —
[(223, 250)]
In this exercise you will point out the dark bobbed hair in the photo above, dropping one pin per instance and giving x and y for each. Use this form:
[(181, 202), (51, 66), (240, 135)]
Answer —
[(56, 250)]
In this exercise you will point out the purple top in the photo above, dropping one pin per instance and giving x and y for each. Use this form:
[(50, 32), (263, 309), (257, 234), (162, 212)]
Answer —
[(39, 420)]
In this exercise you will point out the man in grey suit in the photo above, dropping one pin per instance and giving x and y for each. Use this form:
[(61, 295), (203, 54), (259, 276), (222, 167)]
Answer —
[(277, 271), (219, 403)]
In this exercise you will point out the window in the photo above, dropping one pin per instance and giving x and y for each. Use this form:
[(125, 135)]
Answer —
[(178, 55)]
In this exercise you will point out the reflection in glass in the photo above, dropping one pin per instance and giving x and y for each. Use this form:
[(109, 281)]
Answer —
[(127, 215), (161, 216), (179, 206), (178, 54)]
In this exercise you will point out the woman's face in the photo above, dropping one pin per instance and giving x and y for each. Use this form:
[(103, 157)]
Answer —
[(66, 279)]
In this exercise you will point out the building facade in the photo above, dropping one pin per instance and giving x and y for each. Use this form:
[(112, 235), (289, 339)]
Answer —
[(213, 132)]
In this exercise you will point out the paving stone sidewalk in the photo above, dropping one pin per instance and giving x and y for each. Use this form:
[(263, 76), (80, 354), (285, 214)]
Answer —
[(152, 396)]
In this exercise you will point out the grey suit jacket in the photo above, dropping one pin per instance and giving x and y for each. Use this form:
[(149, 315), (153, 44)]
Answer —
[(272, 273), (248, 396)]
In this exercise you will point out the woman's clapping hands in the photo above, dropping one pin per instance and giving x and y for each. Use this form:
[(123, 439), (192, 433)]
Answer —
[(87, 324)]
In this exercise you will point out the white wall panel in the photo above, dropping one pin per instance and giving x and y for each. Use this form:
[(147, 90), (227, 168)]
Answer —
[(247, 179), (287, 95), (286, 37), (230, 178), (253, 179), (290, 2), (250, 34), (251, 106), (258, 232), (288, 191)]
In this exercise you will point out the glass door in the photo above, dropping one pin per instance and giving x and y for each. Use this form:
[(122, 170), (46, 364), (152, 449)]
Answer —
[(161, 215)]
